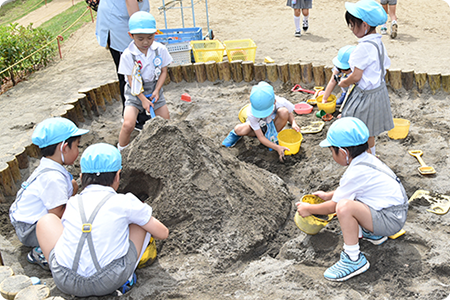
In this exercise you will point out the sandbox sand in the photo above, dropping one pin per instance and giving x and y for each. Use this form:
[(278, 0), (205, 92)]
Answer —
[(230, 211)]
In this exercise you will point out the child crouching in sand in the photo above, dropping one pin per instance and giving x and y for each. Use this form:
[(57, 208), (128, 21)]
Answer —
[(370, 197)]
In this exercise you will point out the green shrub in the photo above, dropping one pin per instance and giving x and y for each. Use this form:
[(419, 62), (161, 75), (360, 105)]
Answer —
[(16, 43)]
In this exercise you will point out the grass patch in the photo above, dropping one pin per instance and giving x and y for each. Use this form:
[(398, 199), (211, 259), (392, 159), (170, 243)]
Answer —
[(13, 11), (61, 22)]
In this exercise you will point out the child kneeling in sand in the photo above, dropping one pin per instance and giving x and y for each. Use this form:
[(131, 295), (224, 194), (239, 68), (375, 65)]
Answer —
[(268, 114), (95, 248), (50, 186), (152, 59), (370, 197)]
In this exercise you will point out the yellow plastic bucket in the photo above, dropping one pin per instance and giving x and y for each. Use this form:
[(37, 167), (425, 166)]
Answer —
[(400, 130), (243, 113), (291, 139), (311, 224), (329, 107)]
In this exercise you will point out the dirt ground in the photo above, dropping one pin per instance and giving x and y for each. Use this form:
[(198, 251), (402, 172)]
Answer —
[(230, 211)]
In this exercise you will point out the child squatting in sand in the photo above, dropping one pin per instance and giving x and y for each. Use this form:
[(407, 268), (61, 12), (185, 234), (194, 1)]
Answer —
[(268, 114), (95, 247), (370, 197)]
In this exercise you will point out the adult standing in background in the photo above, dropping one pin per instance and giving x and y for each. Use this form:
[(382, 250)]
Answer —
[(112, 33)]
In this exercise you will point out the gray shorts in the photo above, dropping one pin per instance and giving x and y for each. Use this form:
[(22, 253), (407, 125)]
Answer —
[(103, 282), (389, 221), (390, 2), (149, 87), (26, 233)]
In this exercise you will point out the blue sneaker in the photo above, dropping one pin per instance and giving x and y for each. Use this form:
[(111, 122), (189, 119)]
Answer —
[(341, 98), (374, 239), (346, 268), (127, 286), (231, 140)]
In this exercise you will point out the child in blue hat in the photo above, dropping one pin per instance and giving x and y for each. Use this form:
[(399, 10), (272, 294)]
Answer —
[(369, 99), (370, 201), (96, 246), (50, 186), (151, 59), (268, 114), (340, 71)]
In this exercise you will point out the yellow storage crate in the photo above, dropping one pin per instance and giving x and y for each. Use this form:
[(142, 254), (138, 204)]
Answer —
[(205, 51), (244, 50)]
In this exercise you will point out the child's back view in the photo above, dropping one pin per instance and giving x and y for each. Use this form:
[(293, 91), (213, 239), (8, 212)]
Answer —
[(96, 246), (50, 186)]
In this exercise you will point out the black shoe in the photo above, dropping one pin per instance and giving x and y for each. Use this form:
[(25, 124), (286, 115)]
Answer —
[(305, 25), (140, 121), (298, 34)]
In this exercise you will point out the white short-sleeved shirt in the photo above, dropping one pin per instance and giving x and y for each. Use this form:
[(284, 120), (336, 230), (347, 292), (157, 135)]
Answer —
[(50, 190), (110, 232), (148, 68), (365, 57), (279, 102), (370, 186), (112, 19)]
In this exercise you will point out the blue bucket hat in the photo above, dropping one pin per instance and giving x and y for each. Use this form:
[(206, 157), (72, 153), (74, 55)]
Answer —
[(142, 22), (369, 11), (55, 130), (262, 99), (101, 158), (346, 132), (341, 60)]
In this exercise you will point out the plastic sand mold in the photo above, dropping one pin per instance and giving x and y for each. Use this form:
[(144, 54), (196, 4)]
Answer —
[(313, 127), (439, 204), (243, 113)]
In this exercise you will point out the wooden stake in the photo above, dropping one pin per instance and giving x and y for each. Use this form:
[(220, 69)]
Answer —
[(200, 72), (446, 82), (421, 79), (22, 158), (188, 72), (236, 70), (319, 75), (99, 98), (328, 70), (395, 78), (106, 93), (7, 186), (408, 79), (248, 69), (66, 111), (307, 76), (212, 73), (224, 70), (115, 93), (5, 271), (295, 73), (12, 285), (33, 151), (85, 106), (272, 72), (91, 104), (434, 80), (175, 73), (14, 167), (38, 292), (283, 72), (78, 111)]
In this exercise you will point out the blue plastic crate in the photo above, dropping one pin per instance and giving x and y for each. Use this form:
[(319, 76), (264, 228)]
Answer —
[(179, 35)]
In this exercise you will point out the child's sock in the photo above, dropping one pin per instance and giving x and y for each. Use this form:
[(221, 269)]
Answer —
[(372, 149), (297, 23), (352, 251), (360, 232), (306, 18), (120, 147)]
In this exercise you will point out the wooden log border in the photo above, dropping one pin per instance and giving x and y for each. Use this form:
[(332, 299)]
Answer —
[(92, 101)]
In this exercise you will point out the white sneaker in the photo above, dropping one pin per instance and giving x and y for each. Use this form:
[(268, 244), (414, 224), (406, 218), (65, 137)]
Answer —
[(394, 27), (305, 25), (383, 29)]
